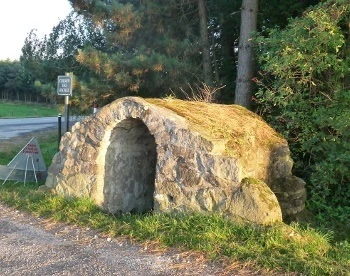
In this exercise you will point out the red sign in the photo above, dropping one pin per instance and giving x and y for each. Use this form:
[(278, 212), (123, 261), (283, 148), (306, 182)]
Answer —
[(29, 158)]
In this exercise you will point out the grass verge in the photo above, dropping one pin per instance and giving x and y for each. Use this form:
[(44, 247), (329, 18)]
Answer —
[(20, 110), (279, 248)]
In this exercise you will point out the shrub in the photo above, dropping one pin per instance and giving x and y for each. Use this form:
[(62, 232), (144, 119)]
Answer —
[(304, 93)]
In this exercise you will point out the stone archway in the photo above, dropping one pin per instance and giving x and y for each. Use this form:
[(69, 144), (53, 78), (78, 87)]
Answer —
[(168, 155), (130, 167)]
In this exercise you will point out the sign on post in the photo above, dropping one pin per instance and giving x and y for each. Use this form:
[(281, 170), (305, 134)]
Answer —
[(64, 86)]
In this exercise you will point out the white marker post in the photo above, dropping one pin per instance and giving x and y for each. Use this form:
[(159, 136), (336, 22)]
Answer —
[(64, 88)]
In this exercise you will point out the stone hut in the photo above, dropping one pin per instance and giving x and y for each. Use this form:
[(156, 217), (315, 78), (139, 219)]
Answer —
[(167, 155)]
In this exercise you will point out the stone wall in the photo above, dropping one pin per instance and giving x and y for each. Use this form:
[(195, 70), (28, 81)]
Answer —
[(137, 156)]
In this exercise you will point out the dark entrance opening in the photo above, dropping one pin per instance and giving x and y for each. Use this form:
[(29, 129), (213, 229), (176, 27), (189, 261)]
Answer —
[(130, 167)]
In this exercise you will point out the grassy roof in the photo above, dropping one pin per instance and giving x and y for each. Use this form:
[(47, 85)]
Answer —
[(243, 133)]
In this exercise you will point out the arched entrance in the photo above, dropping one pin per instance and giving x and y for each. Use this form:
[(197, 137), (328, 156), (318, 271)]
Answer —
[(130, 166)]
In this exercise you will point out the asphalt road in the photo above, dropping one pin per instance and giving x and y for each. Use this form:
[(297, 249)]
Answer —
[(10, 128)]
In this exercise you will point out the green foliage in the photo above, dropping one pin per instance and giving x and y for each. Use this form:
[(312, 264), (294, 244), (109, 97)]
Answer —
[(304, 93), (151, 48), (145, 48), (42, 60), (224, 28), (9, 79)]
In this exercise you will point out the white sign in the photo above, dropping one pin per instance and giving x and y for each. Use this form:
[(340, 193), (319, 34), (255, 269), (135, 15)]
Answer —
[(64, 85), (29, 158), (20, 175)]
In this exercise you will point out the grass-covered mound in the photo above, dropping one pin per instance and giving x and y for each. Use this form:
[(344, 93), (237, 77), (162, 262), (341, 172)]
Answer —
[(234, 131)]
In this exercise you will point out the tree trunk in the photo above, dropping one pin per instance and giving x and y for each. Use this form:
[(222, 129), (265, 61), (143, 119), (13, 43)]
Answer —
[(246, 63), (216, 66), (205, 45)]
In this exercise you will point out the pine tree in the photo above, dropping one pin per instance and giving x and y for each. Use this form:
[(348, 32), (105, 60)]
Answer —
[(153, 46)]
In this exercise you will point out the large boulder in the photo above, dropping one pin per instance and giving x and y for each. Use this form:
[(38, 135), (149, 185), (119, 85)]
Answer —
[(140, 155)]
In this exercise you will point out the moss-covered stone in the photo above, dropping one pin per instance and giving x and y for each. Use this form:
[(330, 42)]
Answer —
[(255, 200)]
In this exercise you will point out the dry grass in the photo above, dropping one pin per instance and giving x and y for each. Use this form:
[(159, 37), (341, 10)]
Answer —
[(243, 134), (229, 122)]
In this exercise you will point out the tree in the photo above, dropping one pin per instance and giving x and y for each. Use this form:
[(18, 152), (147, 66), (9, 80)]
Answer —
[(9, 76), (205, 45), (153, 46), (224, 30), (246, 55), (146, 48), (157, 47), (42, 60)]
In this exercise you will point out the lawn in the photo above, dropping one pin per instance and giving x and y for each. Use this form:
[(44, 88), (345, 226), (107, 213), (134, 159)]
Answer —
[(20, 110)]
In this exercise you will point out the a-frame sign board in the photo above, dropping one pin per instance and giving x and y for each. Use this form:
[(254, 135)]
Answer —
[(28, 159)]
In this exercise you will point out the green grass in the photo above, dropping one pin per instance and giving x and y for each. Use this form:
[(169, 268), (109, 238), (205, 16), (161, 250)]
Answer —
[(48, 147), (278, 248), (20, 110)]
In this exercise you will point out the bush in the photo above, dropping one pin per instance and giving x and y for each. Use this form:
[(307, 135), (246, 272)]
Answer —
[(304, 93)]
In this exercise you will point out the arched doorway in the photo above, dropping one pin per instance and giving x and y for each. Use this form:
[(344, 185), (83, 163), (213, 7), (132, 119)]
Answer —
[(130, 166)]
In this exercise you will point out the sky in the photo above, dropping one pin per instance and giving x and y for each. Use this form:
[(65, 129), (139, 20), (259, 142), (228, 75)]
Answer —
[(19, 17)]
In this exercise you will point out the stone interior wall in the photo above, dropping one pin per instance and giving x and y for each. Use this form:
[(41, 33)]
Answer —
[(130, 168)]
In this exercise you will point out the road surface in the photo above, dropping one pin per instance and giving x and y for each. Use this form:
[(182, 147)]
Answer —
[(10, 128)]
